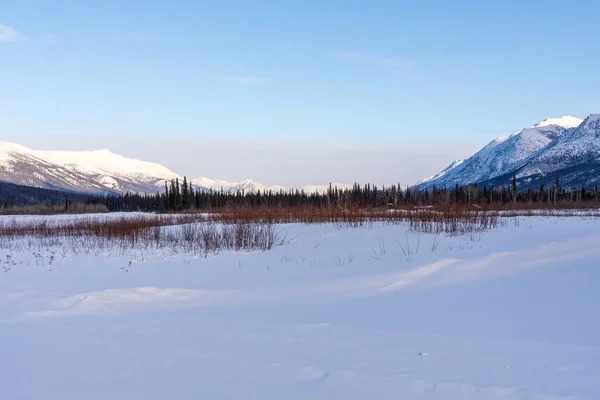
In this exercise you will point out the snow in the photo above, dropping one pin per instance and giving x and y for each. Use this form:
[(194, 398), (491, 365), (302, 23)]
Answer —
[(249, 186), (333, 314), (496, 158), (576, 146), (103, 171), (567, 121), (86, 171), (505, 154), (98, 161), (104, 161), (448, 169), (7, 148), (325, 188)]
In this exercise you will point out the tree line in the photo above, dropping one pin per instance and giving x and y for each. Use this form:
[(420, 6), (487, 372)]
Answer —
[(181, 196)]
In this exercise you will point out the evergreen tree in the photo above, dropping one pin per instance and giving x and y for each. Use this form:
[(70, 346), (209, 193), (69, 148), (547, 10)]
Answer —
[(514, 188)]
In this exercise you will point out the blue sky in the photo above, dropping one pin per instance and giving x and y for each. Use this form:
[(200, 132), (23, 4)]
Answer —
[(356, 71)]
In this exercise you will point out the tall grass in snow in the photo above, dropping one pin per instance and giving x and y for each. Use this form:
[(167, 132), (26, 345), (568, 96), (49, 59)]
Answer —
[(177, 233), (240, 228)]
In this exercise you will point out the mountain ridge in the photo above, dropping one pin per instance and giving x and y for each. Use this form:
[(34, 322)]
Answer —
[(104, 172), (566, 144)]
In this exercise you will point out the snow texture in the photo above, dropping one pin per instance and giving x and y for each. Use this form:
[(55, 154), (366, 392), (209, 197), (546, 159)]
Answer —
[(102, 171), (379, 312), (576, 146), (507, 155), (84, 171)]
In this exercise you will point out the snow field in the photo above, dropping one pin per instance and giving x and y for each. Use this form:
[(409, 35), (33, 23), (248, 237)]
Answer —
[(373, 312)]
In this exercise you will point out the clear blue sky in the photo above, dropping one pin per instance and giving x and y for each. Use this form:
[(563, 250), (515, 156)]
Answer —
[(311, 69)]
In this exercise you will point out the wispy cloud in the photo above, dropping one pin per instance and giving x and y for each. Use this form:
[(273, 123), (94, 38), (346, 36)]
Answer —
[(246, 80), (9, 34), (396, 64)]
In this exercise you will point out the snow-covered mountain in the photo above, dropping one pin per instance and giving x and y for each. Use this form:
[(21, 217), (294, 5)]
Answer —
[(577, 146), (249, 186), (102, 171), (82, 171), (573, 158), (504, 155)]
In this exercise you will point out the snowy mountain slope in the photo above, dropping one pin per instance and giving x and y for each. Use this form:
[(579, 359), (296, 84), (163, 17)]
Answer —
[(443, 174), (585, 174), (577, 146), (81, 171), (104, 161), (566, 121), (247, 186), (573, 158), (102, 171), (502, 155)]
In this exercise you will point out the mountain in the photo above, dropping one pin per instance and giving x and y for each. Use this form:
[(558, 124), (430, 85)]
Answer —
[(573, 158), (576, 146), (504, 155), (247, 186), (80, 171), (102, 171), (325, 188)]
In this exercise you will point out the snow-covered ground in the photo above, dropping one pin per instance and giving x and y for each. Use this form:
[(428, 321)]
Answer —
[(365, 313)]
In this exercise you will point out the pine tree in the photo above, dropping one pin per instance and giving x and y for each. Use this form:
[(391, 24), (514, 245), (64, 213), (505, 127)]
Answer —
[(184, 194), (514, 188)]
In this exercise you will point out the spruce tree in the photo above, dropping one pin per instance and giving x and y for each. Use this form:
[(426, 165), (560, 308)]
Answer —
[(184, 194), (514, 188)]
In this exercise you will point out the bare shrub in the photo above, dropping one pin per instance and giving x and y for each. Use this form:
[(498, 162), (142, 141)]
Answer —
[(181, 234), (244, 228)]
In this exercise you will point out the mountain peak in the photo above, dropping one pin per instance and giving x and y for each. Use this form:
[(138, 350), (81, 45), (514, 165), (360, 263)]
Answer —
[(567, 121), (102, 171), (97, 171), (8, 146), (103, 152), (566, 144), (592, 119), (590, 127)]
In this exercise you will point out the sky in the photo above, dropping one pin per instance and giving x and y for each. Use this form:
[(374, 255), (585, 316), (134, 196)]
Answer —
[(289, 92)]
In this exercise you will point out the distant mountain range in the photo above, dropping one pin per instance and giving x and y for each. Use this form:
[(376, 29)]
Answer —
[(102, 171), (566, 148)]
